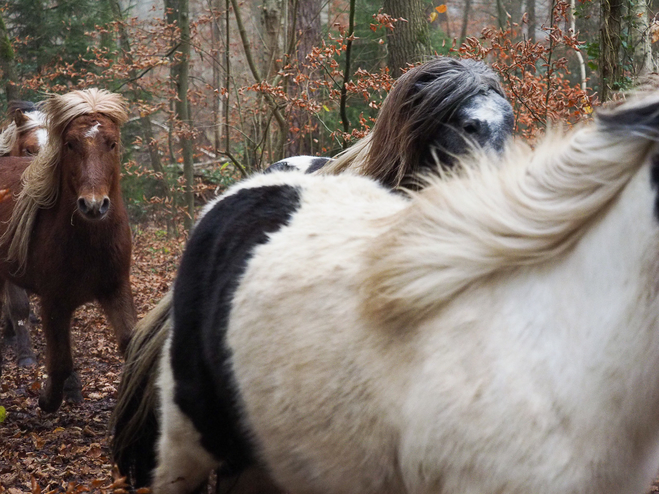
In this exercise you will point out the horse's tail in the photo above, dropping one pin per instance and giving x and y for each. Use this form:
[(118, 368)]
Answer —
[(134, 419)]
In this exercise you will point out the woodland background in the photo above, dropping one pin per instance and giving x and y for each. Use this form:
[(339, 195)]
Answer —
[(219, 89)]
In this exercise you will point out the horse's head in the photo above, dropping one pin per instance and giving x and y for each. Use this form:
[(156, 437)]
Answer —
[(437, 112), (91, 163), (31, 132), (485, 118)]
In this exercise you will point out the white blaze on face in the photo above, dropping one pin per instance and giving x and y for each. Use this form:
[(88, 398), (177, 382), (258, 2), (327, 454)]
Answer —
[(93, 130), (489, 112), (42, 137)]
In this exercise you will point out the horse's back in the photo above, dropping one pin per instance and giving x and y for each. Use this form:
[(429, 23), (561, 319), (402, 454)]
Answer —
[(304, 164)]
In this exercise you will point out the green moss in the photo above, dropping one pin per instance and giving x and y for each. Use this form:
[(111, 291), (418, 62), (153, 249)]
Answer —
[(6, 50)]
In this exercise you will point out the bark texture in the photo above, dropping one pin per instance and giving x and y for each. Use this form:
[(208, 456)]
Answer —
[(409, 42)]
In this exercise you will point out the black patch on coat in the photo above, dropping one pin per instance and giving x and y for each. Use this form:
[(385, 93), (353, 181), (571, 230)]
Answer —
[(213, 262), (654, 179), (317, 164), (280, 166)]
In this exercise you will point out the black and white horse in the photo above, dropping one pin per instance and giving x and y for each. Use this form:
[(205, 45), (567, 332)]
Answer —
[(435, 113), (497, 332)]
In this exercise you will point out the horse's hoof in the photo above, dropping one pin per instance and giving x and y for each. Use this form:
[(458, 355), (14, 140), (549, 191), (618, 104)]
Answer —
[(73, 389), (73, 396), (27, 361), (49, 404)]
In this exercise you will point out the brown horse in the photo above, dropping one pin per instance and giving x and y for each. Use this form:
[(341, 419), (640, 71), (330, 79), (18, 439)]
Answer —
[(26, 134), (65, 233)]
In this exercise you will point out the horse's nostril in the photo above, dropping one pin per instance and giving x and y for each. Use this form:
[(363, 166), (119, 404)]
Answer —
[(105, 205), (82, 205)]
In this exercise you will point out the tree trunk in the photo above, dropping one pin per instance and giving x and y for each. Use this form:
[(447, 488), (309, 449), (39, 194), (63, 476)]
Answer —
[(283, 125), (347, 73), (502, 18), (409, 41), (465, 20), (271, 23), (227, 73), (183, 112), (271, 27), (171, 16), (216, 36), (145, 122), (8, 64), (573, 28), (308, 35), (611, 72), (530, 11), (640, 34)]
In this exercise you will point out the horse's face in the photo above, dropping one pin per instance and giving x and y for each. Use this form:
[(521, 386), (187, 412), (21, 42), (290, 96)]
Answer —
[(90, 159), (30, 142), (485, 120), (488, 119), (32, 136)]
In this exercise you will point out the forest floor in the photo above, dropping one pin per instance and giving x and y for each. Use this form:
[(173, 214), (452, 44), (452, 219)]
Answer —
[(68, 451)]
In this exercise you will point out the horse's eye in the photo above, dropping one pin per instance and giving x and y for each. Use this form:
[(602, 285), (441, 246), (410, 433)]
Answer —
[(472, 126), (69, 145), (113, 145)]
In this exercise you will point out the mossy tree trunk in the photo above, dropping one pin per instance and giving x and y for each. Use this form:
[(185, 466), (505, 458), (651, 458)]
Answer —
[(8, 64), (611, 66)]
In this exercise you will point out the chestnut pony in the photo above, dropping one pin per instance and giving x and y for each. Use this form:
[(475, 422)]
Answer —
[(65, 233), (26, 134)]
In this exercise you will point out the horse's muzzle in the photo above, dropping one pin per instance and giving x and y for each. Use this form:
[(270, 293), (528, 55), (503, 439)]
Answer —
[(93, 208)]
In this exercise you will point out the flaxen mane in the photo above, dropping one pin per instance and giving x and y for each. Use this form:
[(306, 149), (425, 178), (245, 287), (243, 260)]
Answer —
[(35, 119), (41, 179), (463, 229), (421, 102)]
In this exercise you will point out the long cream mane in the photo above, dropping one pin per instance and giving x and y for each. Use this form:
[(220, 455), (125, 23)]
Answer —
[(41, 179), (8, 137), (536, 206)]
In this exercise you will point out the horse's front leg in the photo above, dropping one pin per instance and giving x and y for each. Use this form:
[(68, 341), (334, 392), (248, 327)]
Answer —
[(59, 360), (18, 309), (120, 310)]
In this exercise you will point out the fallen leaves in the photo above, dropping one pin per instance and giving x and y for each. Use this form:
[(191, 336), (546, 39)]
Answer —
[(68, 451)]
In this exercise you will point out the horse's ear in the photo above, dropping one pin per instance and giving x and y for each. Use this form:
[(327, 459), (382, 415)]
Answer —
[(19, 117)]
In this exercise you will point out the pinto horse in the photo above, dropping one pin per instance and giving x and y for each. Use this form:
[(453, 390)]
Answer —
[(499, 332), (435, 112), (65, 234)]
